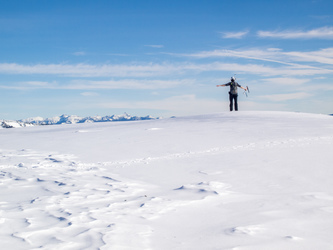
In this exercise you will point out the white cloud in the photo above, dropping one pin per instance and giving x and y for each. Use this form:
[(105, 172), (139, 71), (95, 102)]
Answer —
[(118, 54), (89, 70), (276, 55), (148, 75), (175, 105), (128, 84), (269, 55), (151, 84), (89, 94), (158, 71), (286, 97), (156, 46), (286, 81), (191, 105), (234, 35), (324, 56), (263, 70), (79, 53), (320, 33), (29, 85), (322, 17), (37, 83), (319, 87)]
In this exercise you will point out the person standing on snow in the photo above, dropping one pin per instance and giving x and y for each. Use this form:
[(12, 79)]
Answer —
[(233, 94)]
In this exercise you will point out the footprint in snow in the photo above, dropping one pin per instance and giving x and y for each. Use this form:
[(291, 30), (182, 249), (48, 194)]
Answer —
[(289, 237), (246, 230), (153, 129), (319, 196), (201, 190)]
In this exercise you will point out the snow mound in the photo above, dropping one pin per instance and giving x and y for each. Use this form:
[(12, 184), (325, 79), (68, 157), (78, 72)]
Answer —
[(246, 180)]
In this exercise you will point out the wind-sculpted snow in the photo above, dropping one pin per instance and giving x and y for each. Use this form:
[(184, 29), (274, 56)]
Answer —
[(247, 180)]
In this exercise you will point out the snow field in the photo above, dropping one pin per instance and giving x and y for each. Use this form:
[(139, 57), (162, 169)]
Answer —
[(247, 180)]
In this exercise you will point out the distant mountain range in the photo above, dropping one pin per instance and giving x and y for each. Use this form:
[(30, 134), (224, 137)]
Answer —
[(70, 119)]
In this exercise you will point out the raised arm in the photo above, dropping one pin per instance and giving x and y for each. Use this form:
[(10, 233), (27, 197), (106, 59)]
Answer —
[(222, 85), (241, 87)]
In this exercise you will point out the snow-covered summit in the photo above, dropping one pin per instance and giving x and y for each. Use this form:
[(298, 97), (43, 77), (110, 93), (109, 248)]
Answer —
[(232, 180), (14, 124)]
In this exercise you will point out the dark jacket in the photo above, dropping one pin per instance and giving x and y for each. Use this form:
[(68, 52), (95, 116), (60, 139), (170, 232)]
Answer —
[(233, 87)]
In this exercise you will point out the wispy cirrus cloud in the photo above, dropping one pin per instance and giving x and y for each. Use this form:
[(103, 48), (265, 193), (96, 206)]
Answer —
[(324, 56), (81, 84), (283, 64), (158, 71), (28, 85), (234, 35), (320, 33), (128, 84), (317, 59), (91, 70), (270, 55)]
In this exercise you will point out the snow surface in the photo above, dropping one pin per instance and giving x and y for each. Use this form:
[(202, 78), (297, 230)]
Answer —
[(242, 180)]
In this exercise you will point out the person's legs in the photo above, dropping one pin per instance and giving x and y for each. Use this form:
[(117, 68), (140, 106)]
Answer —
[(236, 103), (231, 102)]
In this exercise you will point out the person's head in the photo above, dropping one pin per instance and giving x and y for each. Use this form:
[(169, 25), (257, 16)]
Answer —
[(233, 79)]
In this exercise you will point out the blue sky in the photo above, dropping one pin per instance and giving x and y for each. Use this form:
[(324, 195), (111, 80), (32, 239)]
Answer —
[(163, 58)]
